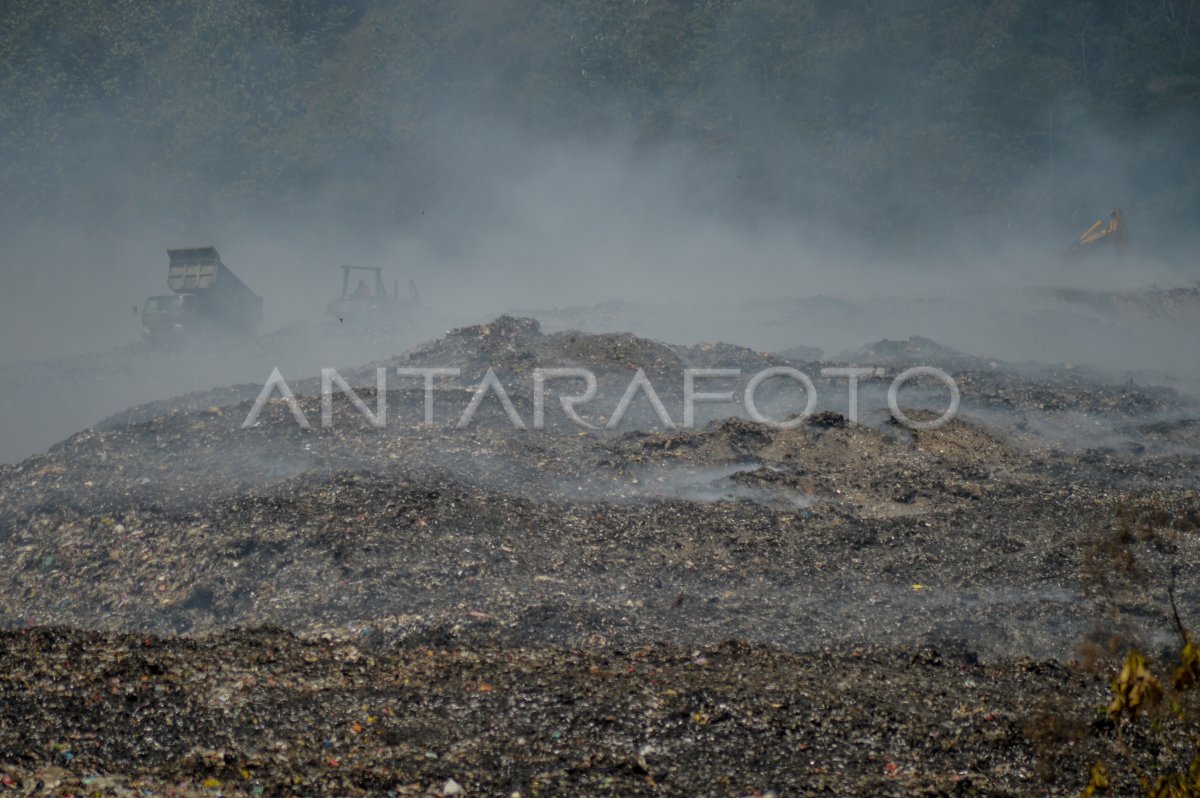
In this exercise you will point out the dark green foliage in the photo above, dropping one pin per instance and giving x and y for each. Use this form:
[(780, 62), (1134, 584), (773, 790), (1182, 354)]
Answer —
[(880, 112)]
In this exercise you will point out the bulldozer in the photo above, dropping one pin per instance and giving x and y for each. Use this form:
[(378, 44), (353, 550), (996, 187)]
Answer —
[(371, 301), (1110, 228)]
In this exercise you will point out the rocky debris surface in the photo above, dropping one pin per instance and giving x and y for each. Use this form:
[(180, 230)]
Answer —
[(564, 575), (261, 712), (972, 535), (1034, 405), (1174, 305)]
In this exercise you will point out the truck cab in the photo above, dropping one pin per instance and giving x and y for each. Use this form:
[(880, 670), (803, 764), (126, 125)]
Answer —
[(167, 316)]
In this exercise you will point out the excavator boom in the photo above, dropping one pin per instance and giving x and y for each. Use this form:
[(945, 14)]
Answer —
[(1111, 229)]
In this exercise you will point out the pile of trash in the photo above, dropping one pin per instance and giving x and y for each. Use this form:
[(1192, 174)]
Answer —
[(545, 610), (175, 518), (250, 713)]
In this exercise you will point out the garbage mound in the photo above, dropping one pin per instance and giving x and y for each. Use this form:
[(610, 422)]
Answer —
[(204, 597)]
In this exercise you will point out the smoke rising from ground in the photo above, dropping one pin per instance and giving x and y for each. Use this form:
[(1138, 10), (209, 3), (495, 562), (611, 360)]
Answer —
[(539, 225), (736, 182)]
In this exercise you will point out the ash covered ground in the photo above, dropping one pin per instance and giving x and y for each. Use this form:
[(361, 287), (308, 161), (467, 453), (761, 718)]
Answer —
[(731, 609)]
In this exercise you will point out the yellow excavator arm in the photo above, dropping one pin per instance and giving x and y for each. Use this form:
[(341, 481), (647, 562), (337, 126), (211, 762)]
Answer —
[(1112, 228)]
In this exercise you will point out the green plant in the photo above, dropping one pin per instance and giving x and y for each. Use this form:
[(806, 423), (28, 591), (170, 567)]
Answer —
[(1157, 724)]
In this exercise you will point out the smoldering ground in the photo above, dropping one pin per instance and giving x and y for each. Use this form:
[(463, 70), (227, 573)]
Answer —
[(975, 537), (739, 184), (600, 236)]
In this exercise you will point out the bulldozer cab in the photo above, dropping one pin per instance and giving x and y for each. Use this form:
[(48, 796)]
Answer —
[(379, 292), (365, 296)]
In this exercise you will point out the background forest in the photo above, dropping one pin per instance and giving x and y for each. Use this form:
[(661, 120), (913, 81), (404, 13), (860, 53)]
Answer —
[(898, 119)]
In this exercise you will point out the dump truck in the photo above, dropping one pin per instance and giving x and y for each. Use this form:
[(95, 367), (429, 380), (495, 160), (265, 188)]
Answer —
[(208, 300), (371, 302)]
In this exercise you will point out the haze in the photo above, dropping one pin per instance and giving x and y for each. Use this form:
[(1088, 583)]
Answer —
[(920, 166)]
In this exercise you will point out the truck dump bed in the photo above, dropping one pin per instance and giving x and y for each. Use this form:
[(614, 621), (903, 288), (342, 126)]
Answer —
[(222, 297)]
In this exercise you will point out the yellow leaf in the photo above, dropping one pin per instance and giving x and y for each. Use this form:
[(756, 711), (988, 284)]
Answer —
[(1135, 688), (1187, 675), (1098, 782)]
